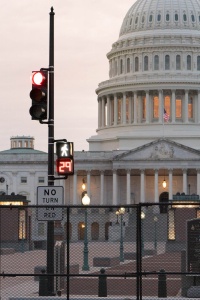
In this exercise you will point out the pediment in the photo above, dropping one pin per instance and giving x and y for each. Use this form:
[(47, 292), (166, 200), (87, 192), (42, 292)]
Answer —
[(161, 149)]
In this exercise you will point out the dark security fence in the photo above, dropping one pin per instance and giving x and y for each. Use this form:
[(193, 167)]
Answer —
[(135, 251)]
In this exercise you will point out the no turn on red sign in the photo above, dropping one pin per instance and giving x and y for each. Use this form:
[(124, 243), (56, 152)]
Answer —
[(50, 196)]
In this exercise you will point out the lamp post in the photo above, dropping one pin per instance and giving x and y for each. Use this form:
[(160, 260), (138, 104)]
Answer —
[(86, 202), (121, 213), (142, 231), (155, 232)]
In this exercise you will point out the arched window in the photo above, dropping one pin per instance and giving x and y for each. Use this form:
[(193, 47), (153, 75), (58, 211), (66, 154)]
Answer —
[(167, 17), (156, 62), (159, 17), (176, 17), (136, 20), (115, 68), (189, 62), (130, 21), (121, 66), (136, 64), (167, 62), (198, 63), (192, 18), (184, 17), (146, 63), (178, 62), (143, 18), (150, 18), (144, 107), (128, 65)]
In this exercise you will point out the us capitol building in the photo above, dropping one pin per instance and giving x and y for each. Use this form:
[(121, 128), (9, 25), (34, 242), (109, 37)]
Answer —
[(148, 115)]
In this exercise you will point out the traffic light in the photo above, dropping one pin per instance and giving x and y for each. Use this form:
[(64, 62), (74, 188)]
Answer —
[(39, 95), (65, 160)]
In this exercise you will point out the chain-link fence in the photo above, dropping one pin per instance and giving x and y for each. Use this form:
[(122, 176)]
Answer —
[(144, 250)]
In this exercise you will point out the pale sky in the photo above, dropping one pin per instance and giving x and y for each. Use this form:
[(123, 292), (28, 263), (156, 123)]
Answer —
[(84, 33)]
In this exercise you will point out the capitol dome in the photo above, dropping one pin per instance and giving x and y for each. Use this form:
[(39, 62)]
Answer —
[(153, 90), (165, 15)]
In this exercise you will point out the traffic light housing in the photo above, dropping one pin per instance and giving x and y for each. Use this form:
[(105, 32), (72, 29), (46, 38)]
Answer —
[(65, 158), (39, 95)]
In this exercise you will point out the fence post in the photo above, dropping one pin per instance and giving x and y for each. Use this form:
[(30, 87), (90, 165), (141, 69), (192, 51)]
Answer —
[(102, 284), (162, 284), (43, 284)]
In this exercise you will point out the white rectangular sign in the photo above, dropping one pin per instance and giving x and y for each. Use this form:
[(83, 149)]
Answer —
[(50, 196)]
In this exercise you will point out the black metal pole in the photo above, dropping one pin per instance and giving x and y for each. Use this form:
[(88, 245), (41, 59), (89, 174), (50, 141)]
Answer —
[(50, 225)]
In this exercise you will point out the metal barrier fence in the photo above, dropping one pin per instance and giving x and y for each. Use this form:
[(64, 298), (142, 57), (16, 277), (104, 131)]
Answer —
[(134, 251)]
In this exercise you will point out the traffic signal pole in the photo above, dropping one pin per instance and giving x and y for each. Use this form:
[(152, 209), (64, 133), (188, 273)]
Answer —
[(50, 224)]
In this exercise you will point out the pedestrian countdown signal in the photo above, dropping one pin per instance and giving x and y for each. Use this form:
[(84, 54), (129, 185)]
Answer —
[(65, 160)]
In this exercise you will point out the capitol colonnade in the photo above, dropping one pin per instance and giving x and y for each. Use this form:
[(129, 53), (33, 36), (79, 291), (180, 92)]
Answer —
[(131, 186), (147, 106)]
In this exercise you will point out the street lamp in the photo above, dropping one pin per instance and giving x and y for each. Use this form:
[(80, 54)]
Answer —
[(121, 213), (155, 232), (86, 202), (142, 231)]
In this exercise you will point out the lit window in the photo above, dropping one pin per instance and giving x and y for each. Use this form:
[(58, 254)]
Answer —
[(171, 225), (22, 224), (128, 65), (178, 62), (189, 62), (23, 179), (156, 62), (167, 104), (155, 107), (178, 108), (146, 63), (136, 64), (167, 62), (190, 108)]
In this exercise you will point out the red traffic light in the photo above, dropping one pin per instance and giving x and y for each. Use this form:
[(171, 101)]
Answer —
[(38, 78)]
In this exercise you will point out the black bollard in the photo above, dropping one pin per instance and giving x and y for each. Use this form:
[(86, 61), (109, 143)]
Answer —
[(43, 284), (162, 284), (102, 284)]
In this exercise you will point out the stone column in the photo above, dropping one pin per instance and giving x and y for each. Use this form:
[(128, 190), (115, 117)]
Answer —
[(161, 106), (108, 111), (102, 187), (128, 187), (135, 108), (88, 183), (114, 187), (170, 184), (185, 181), (142, 186), (103, 112), (124, 109), (156, 186), (75, 188), (130, 109), (147, 107), (186, 107), (115, 109), (99, 112), (173, 106)]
